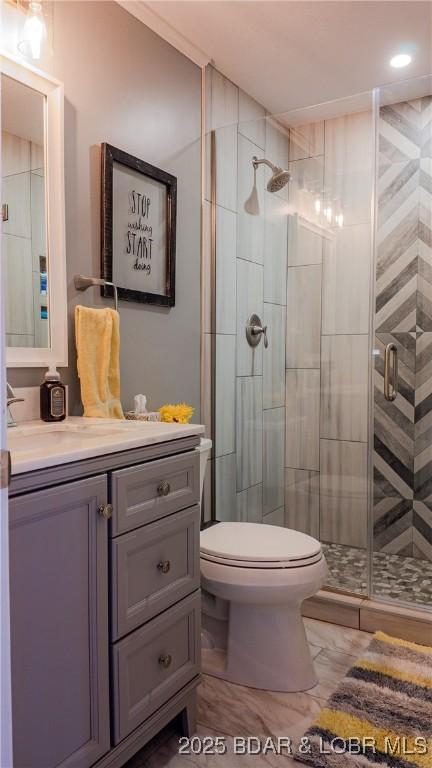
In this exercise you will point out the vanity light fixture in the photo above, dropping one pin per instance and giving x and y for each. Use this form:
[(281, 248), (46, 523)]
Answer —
[(34, 31), (400, 60)]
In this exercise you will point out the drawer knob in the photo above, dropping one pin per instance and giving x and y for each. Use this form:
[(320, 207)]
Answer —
[(163, 488), (164, 566), (165, 660), (105, 511)]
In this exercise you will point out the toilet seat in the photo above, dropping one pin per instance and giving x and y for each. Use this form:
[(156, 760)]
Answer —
[(258, 546)]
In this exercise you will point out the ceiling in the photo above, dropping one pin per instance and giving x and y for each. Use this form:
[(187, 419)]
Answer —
[(289, 54)]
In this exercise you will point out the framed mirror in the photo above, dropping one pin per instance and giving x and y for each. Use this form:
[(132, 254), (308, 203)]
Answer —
[(33, 215)]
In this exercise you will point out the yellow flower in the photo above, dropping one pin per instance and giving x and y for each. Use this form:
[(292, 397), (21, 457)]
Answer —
[(179, 414)]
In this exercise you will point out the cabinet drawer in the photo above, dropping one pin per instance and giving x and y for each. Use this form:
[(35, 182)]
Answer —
[(153, 663), (150, 491), (152, 568)]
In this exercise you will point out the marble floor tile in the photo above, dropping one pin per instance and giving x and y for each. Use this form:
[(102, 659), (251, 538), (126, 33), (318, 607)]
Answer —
[(331, 667), (241, 711), (335, 638)]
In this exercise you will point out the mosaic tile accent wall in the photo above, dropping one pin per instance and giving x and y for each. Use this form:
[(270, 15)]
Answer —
[(403, 429)]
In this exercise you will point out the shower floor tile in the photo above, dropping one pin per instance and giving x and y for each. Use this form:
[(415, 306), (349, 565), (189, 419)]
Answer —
[(407, 579)]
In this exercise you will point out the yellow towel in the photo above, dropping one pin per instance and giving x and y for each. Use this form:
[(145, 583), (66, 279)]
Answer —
[(97, 339)]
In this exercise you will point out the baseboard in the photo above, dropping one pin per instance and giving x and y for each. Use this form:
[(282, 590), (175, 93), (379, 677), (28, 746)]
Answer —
[(370, 616)]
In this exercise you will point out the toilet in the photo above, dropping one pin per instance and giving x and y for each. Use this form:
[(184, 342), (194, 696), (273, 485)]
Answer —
[(254, 578)]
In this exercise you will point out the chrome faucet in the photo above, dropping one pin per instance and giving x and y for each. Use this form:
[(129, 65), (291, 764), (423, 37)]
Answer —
[(11, 398)]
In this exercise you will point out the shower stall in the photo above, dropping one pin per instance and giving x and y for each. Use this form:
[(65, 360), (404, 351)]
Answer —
[(317, 315)]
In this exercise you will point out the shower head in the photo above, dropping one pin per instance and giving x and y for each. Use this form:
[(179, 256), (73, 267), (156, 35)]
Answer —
[(279, 177)]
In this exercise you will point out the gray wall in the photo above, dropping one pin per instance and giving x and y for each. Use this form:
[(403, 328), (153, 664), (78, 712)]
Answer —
[(126, 86)]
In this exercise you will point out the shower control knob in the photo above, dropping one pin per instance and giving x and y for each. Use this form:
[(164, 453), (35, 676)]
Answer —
[(254, 330)]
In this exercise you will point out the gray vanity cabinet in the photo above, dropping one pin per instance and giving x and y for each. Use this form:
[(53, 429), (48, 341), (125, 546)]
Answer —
[(59, 625)]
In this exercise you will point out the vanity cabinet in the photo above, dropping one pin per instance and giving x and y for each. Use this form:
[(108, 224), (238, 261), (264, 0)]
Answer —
[(59, 625), (105, 613)]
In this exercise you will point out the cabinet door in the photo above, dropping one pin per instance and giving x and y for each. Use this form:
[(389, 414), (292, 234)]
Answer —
[(59, 626)]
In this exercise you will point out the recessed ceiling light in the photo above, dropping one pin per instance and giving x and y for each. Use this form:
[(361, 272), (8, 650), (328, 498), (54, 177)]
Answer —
[(401, 60)]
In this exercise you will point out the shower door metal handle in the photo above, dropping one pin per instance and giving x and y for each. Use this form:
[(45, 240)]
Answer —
[(390, 387), (254, 330)]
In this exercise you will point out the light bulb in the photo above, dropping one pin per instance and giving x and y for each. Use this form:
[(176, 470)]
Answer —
[(400, 60), (34, 31)]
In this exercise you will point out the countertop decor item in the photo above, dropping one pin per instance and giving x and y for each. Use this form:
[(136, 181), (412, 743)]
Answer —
[(179, 414), (139, 203), (380, 714)]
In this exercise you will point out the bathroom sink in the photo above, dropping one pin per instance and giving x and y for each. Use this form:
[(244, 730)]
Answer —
[(36, 445), (40, 439)]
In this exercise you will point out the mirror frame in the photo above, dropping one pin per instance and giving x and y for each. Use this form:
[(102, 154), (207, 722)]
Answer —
[(53, 90)]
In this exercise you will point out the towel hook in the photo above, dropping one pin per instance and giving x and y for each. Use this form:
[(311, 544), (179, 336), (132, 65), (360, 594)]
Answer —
[(82, 283)]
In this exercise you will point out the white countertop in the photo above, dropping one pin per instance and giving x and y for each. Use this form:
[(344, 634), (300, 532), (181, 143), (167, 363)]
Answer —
[(37, 444)]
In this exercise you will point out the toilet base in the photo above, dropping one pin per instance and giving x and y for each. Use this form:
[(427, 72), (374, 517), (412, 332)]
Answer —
[(266, 648)]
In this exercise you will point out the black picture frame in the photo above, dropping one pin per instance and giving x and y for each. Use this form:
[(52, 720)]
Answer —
[(109, 156)]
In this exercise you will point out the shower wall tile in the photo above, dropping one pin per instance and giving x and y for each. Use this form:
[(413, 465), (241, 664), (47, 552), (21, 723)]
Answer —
[(206, 510), (302, 501), (275, 250), (16, 252), (277, 517), (226, 229), (206, 268), (207, 389), (15, 154), (349, 152), (346, 280), (226, 501), (225, 394), (344, 387), (423, 419), (273, 459), (306, 141), (277, 150), (249, 504), (422, 531), (302, 419), (249, 301), (394, 422), (303, 335), (249, 431), (222, 101), (274, 356), (250, 225), (305, 243), (226, 167), (252, 120), (16, 193), (343, 493), (306, 186), (393, 525)]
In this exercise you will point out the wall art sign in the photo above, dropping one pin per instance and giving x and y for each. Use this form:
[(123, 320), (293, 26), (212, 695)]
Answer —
[(139, 203)]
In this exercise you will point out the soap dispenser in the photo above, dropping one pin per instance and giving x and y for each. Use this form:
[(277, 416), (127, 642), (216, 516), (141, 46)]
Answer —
[(52, 397)]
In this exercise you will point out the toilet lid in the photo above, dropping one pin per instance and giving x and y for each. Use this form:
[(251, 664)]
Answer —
[(258, 545)]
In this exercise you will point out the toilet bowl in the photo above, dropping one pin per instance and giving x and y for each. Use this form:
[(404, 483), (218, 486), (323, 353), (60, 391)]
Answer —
[(254, 578)]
